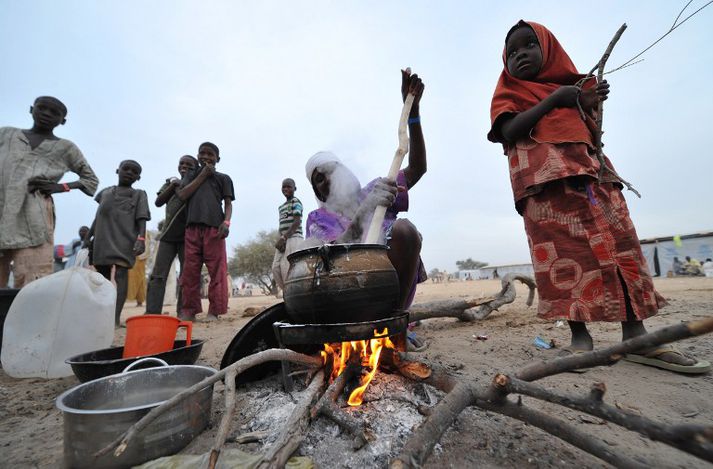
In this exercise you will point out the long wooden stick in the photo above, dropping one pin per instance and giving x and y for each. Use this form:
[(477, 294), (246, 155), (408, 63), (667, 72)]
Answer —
[(123, 440), (598, 132), (374, 233), (566, 432), (611, 355), (691, 438), (327, 406), (461, 395), (295, 429), (224, 426)]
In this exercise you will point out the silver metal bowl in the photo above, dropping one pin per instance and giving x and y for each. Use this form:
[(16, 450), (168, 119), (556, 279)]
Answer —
[(97, 412)]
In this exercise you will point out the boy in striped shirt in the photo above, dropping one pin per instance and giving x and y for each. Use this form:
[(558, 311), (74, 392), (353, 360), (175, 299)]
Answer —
[(290, 232)]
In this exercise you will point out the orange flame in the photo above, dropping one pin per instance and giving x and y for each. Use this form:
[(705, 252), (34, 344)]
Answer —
[(369, 352)]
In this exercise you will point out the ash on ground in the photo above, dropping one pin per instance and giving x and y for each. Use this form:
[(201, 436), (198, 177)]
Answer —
[(390, 411)]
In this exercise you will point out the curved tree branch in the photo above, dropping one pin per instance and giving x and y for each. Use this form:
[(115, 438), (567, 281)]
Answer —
[(123, 440), (473, 309)]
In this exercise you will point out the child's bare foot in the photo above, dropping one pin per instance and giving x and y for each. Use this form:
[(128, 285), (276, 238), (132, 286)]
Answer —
[(581, 340)]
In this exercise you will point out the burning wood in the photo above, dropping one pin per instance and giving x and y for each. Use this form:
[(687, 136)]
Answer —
[(365, 352)]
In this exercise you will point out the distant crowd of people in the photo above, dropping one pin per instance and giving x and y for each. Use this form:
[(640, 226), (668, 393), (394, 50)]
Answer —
[(693, 267)]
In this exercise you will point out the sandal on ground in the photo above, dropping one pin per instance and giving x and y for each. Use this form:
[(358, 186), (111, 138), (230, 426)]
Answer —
[(652, 359), (414, 344)]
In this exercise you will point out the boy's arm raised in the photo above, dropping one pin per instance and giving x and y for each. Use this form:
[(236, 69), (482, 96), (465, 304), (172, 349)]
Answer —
[(185, 193), (166, 194)]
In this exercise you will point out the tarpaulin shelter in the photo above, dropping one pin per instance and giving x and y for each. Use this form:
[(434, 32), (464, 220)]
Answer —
[(659, 252)]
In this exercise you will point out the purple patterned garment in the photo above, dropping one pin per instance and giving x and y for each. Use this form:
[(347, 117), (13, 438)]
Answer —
[(328, 226)]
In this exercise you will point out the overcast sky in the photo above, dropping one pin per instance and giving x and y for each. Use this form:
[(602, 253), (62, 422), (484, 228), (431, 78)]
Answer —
[(272, 82)]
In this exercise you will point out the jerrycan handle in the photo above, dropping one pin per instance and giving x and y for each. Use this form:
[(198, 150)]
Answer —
[(82, 258), (189, 330)]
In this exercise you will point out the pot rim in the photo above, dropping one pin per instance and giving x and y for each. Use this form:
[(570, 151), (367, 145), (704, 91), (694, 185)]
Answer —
[(344, 247), (59, 402)]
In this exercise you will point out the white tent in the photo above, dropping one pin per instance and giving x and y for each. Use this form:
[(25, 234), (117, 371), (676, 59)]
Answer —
[(659, 252)]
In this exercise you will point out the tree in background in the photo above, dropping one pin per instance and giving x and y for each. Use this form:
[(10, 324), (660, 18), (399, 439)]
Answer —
[(470, 264), (253, 261)]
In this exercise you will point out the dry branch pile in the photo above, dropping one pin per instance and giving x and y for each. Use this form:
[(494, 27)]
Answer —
[(495, 397)]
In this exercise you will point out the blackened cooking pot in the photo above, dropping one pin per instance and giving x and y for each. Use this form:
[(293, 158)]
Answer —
[(337, 283)]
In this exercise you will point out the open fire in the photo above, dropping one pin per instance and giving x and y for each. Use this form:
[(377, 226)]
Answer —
[(363, 352)]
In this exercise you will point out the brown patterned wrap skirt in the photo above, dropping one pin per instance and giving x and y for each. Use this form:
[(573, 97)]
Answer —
[(583, 246)]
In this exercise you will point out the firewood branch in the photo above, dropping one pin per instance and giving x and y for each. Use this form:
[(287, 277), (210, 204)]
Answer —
[(614, 353), (473, 309), (296, 427), (120, 444), (564, 431), (493, 397), (598, 132), (224, 426), (674, 26), (420, 444), (691, 438), (327, 407)]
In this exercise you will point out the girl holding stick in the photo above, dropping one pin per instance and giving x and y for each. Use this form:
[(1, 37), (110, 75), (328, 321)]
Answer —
[(584, 248)]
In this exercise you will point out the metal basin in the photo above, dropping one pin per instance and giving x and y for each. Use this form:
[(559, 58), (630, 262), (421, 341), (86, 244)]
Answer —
[(109, 361), (97, 412), (340, 283)]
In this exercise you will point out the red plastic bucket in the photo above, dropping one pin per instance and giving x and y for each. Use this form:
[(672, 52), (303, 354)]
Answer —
[(150, 334)]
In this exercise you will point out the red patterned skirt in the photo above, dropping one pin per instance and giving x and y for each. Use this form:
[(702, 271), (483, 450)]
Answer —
[(583, 246)]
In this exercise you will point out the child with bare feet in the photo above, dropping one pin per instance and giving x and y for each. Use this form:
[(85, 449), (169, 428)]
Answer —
[(209, 195), (118, 233)]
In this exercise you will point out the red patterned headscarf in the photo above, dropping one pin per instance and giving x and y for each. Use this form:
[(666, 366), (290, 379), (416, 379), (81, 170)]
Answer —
[(512, 95)]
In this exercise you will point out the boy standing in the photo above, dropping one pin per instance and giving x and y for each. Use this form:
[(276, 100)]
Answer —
[(118, 233), (207, 226), (290, 230), (170, 238), (31, 164)]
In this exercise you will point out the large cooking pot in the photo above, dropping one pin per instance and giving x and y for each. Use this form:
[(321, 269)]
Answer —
[(337, 283), (97, 412)]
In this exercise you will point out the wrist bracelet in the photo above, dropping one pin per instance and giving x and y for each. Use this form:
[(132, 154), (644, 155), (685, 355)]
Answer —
[(66, 187), (414, 120), (140, 238)]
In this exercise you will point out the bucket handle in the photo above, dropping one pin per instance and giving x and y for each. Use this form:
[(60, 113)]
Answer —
[(189, 330), (143, 360)]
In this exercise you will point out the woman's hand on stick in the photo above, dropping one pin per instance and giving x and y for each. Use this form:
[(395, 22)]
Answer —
[(411, 83)]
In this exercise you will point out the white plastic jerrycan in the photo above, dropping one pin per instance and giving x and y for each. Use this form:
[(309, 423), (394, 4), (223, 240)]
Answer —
[(56, 317)]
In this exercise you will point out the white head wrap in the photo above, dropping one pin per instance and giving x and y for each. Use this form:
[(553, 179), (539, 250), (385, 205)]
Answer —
[(319, 159)]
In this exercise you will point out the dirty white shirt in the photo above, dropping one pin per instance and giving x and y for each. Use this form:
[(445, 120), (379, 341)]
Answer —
[(23, 220)]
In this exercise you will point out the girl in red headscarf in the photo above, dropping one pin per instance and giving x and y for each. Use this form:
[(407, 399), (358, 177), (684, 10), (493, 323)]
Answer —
[(585, 252)]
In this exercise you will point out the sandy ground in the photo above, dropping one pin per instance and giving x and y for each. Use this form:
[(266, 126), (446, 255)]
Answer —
[(31, 428)]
